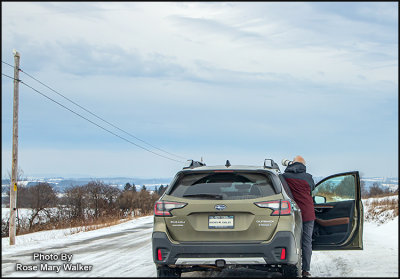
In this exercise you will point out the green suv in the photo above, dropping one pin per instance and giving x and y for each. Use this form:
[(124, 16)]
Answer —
[(211, 218)]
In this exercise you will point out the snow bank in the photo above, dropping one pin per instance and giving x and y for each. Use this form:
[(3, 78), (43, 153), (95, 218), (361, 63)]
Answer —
[(381, 210), (60, 236)]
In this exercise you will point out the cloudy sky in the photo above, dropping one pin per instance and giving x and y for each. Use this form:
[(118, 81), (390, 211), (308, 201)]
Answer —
[(218, 81)]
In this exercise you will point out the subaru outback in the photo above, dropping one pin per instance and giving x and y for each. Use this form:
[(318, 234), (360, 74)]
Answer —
[(211, 218)]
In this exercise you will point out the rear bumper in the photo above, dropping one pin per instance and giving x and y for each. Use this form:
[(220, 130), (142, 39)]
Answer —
[(207, 253)]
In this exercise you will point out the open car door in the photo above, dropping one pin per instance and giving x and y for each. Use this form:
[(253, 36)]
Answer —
[(339, 213)]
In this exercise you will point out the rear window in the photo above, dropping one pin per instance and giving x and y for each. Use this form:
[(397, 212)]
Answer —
[(223, 186)]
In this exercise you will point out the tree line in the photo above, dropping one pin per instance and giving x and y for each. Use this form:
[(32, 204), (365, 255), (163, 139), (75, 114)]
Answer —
[(91, 203), (346, 189), (375, 190)]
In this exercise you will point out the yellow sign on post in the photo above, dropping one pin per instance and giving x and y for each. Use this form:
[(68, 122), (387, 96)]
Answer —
[(15, 187)]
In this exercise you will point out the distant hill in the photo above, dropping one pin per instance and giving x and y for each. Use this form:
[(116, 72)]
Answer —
[(61, 184)]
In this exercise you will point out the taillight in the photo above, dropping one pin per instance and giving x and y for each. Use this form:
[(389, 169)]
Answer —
[(274, 205), (159, 255), (163, 208), (281, 207), (283, 254), (285, 208)]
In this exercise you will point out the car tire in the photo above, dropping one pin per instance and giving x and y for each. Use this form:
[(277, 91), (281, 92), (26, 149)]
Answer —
[(167, 272), (293, 270)]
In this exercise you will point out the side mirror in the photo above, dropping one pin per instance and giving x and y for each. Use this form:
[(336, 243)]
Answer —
[(319, 199)]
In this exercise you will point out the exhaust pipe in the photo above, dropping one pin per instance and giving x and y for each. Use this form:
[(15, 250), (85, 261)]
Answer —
[(220, 263)]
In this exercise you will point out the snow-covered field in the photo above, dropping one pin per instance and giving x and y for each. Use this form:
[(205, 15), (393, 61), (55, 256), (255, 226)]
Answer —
[(124, 250), (22, 212), (378, 259)]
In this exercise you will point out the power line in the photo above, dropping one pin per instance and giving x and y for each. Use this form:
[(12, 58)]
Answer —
[(100, 117), (95, 115), (8, 64), (97, 124), (44, 95), (10, 77)]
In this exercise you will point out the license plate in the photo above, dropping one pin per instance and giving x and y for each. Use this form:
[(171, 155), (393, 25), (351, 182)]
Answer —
[(220, 222)]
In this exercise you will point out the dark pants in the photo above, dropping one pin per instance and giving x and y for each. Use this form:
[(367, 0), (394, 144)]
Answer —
[(306, 244)]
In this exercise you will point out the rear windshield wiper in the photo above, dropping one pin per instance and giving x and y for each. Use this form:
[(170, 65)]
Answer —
[(216, 196)]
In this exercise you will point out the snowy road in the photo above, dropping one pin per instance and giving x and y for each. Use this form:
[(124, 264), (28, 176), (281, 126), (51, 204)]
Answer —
[(125, 251)]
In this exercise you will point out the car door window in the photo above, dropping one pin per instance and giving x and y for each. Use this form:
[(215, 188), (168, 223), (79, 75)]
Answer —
[(339, 188)]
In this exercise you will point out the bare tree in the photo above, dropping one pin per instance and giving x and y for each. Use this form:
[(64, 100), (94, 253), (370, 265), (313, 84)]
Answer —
[(102, 198), (375, 190), (39, 197), (364, 191), (110, 195), (94, 193), (76, 201), (20, 175), (6, 190), (145, 201)]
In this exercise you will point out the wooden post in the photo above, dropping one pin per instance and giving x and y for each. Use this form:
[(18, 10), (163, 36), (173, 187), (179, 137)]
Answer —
[(14, 166)]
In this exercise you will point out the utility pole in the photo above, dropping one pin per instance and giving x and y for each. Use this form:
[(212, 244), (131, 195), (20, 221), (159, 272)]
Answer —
[(14, 165)]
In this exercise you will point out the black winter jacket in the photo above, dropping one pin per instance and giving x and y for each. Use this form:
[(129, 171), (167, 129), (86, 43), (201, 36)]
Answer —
[(301, 185)]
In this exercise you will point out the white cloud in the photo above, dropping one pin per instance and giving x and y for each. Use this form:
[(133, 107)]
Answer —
[(301, 43), (195, 74)]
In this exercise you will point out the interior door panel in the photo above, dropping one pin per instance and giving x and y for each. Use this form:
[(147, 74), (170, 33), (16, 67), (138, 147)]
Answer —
[(333, 224)]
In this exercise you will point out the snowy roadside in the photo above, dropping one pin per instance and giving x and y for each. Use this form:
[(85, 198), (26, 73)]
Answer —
[(381, 210), (123, 250), (48, 238), (378, 259)]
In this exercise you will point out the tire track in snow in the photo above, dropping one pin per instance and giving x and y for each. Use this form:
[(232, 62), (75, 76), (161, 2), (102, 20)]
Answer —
[(342, 265), (110, 254)]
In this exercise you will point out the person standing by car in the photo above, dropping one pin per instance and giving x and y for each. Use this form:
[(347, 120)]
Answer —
[(301, 185)]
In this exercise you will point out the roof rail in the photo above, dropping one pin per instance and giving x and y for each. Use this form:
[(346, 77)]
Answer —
[(191, 164), (270, 164)]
